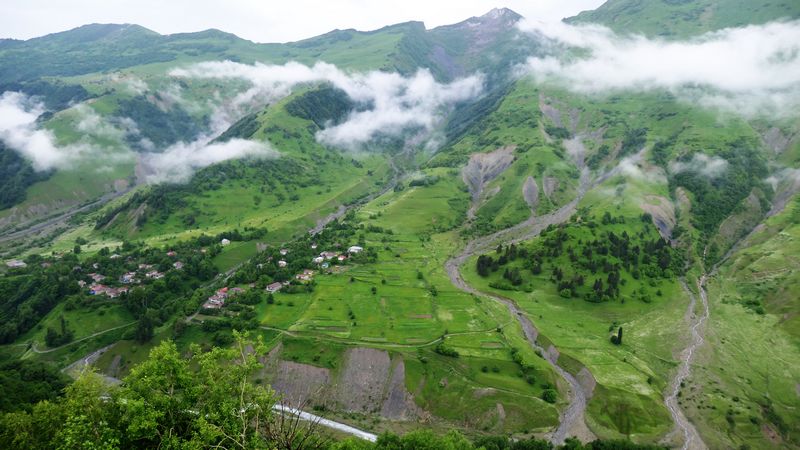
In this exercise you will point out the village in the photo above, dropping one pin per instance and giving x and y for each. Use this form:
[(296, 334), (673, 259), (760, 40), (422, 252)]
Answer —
[(320, 263), (134, 277)]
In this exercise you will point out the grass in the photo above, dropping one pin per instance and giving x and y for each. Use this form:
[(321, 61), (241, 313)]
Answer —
[(82, 321), (234, 254), (752, 357)]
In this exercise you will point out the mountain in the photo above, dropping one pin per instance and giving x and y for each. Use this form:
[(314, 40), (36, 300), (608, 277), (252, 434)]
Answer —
[(425, 233), (682, 18)]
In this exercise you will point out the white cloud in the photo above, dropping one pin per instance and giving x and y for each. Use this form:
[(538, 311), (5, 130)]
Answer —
[(709, 166), (130, 84), (92, 124), (750, 70), (18, 130), (178, 162), (396, 103)]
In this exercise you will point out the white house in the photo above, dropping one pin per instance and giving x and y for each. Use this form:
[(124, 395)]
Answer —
[(281, 263), (225, 242), (355, 249)]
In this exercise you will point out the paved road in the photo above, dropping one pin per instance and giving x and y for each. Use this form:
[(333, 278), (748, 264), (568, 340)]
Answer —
[(326, 422), (61, 218)]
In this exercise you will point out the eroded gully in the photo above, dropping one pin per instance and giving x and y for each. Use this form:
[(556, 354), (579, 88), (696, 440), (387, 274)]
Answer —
[(691, 438), (572, 420)]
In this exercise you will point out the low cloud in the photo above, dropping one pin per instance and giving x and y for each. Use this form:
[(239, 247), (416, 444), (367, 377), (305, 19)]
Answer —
[(178, 162), (99, 140), (394, 103), (130, 84), (632, 167), (18, 130), (708, 166), (750, 70)]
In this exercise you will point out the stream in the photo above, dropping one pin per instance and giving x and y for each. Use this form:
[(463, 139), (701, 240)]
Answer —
[(572, 421), (691, 438)]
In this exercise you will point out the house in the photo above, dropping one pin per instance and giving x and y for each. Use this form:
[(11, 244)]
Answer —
[(341, 257), (116, 292), (217, 300), (178, 265), (284, 251), (329, 255), (16, 264), (214, 302), (318, 260), (172, 254), (96, 277), (236, 291), (274, 287), (307, 275), (282, 263), (355, 249), (110, 292), (115, 256), (225, 242), (155, 275), (81, 284), (313, 246), (97, 289), (128, 278), (145, 266)]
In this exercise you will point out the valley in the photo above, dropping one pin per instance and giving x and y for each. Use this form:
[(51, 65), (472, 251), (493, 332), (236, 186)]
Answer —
[(495, 234)]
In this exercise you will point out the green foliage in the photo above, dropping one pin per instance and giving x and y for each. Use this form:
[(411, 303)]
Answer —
[(684, 18), (445, 350), (324, 105), (25, 382), (55, 338), (168, 401), (715, 198), (633, 141), (585, 262), (244, 128), (16, 174), (557, 132), (54, 94), (161, 128), (29, 294)]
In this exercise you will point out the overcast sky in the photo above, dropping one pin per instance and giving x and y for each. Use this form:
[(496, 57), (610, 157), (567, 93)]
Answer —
[(260, 20)]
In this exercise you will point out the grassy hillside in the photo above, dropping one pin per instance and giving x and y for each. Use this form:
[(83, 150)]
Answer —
[(685, 18)]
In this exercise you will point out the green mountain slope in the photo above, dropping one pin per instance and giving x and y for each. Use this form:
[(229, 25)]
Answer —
[(400, 282), (684, 18)]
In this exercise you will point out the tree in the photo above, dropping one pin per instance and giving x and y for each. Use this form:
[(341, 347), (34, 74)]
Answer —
[(549, 395), (144, 328), (616, 339)]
